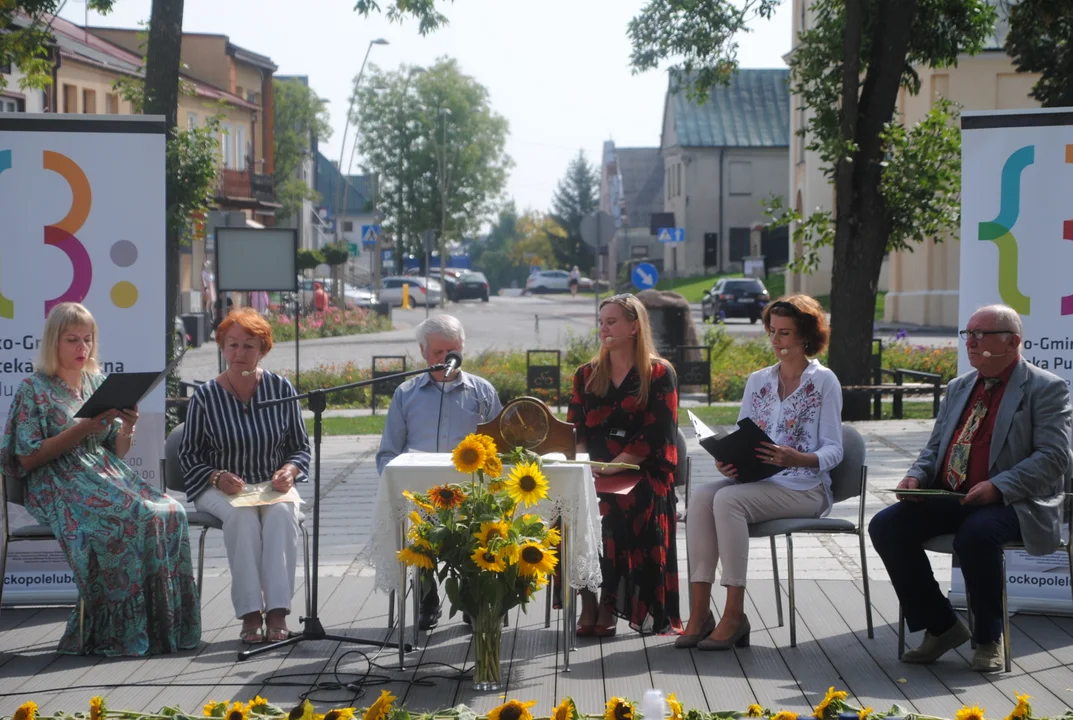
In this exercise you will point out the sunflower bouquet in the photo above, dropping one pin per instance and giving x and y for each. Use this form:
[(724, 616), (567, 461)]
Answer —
[(489, 553)]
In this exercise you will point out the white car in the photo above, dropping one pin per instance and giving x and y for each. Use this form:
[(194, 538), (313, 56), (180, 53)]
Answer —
[(391, 291), (548, 281)]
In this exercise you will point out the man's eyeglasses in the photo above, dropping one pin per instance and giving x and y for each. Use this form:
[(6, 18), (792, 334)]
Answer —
[(979, 335)]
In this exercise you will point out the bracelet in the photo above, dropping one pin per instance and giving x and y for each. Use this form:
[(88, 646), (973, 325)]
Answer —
[(215, 480), (126, 434)]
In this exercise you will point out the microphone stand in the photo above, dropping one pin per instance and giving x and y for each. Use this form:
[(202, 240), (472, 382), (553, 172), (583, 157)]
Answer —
[(313, 629)]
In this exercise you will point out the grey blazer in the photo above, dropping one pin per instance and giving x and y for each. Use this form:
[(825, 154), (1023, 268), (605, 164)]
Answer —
[(1030, 449)]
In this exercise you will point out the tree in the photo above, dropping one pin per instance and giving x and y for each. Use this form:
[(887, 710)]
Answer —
[(28, 47), (847, 70), (492, 253), (299, 117), (309, 259), (1041, 41), (577, 195), (537, 235)]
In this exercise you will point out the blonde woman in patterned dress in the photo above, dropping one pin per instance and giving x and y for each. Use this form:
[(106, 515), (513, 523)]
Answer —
[(798, 402)]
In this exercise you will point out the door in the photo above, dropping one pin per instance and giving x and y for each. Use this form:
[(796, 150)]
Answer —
[(711, 250), (775, 246)]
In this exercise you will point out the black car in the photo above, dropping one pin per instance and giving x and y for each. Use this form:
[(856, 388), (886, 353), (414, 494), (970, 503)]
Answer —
[(468, 285), (735, 298)]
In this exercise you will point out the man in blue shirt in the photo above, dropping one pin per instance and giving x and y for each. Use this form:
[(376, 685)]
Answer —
[(433, 413)]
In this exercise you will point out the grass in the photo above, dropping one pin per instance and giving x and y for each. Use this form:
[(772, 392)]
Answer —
[(713, 416)]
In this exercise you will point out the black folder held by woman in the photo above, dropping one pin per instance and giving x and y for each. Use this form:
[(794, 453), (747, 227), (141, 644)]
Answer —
[(737, 448), (122, 391)]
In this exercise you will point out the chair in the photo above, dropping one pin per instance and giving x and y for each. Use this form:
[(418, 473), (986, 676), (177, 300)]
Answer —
[(13, 490), (174, 482), (945, 544), (848, 480)]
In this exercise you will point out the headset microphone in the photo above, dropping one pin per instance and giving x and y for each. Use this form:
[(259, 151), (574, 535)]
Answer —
[(247, 373), (989, 354)]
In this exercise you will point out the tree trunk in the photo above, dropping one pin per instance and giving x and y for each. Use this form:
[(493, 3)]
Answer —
[(862, 228), (162, 98)]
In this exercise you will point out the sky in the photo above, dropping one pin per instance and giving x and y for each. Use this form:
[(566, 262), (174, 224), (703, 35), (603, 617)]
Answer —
[(557, 70)]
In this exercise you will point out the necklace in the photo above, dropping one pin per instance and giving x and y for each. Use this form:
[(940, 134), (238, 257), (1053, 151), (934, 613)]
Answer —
[(245, 404)]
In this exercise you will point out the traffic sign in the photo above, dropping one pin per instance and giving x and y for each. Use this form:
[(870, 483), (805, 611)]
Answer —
[(672, 235), (597, 229), (645, 276), (387, 256), (353, 248), (369, 235)]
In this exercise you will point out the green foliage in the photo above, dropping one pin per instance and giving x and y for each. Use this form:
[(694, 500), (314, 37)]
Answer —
[(577, 195), (193, 160), (492, 253), (428, 17), (300, 117), (335, 254), (309, 259), (331, 323), (1040, 40), (28, 47)]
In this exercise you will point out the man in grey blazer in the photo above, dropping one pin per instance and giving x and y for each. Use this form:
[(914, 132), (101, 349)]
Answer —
[(1002, 441)]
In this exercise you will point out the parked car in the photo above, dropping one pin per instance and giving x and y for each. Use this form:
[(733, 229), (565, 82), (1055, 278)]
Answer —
[(468, 285), (586, 283), (548, 281), (391, 290), (735, 298)]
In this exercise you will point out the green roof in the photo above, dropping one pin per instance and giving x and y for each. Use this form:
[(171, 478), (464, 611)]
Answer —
[(753, 111)]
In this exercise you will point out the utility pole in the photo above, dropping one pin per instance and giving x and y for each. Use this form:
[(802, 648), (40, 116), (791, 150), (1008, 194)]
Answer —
[(444, 189)]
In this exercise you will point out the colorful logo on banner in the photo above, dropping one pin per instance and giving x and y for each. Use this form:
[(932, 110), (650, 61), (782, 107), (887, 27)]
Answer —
[(62, 236), (1000, 230)]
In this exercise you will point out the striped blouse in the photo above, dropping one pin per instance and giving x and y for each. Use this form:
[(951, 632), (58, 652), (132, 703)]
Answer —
[(223, 434)]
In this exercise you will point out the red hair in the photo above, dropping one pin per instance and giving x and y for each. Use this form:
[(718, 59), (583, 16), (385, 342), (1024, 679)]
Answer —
[(249, 320)]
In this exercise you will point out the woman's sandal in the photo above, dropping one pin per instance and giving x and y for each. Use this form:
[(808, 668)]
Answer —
[(252, 635), (278, 634)]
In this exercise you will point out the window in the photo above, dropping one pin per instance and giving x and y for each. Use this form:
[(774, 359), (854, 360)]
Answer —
[(70, 99), (667, 181), (240, 92), (191, 120), (89, 102), (254, 97), (5, 68), (739, 244), (741, 178), (348, 226), (9, 105), (678, 182), (240, 148), (227, 147), (111, 104)]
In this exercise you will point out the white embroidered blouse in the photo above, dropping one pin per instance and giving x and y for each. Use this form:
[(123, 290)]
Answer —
[(808, 420)]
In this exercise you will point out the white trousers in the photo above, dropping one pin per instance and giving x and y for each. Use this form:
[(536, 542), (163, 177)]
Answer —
[(717, 524), (262, 551)]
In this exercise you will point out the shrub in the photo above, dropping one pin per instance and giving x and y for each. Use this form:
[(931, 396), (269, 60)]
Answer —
[(334, 322)]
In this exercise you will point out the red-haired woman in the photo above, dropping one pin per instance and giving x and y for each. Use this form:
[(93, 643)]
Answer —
[(229, 442)]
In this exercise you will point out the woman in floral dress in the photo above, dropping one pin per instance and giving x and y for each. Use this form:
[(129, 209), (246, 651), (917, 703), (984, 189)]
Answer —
[(798, 403), (126, 542), (625, 409)]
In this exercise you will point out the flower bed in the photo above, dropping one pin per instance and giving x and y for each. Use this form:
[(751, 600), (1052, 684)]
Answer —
[(833, 706), (333, 322)]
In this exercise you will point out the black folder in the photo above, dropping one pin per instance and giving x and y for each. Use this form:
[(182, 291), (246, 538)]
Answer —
[(737, 448), (122, 391)]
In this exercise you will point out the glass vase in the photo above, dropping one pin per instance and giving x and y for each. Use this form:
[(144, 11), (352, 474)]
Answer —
[(487, 640)]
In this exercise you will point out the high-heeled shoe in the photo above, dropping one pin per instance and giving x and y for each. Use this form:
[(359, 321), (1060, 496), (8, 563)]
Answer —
[(684, 642), (740, 638)]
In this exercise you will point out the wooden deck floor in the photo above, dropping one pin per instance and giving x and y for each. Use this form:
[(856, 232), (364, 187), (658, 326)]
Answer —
[(833, 649)]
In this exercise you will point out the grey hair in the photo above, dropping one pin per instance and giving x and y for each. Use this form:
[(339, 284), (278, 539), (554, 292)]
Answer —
[(1008, 318), (445, 326)]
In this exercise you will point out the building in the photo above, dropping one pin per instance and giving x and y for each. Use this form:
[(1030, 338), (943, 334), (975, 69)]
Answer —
[(923, 284), (721, 160), (16, 99), (631, 191), (355, 196)]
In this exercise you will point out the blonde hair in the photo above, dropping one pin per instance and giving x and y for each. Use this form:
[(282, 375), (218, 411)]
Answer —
[(60, 319), (644, 353)]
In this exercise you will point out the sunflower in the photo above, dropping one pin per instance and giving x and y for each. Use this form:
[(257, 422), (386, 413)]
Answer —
[(422, 543), (489, 444), (491, 530), (419, 501), (214, 709), (486, 559), (258, 705), (301, 712), (784, 715), (446, 497), (238, 711), (970, 713), (97, 708), (832, 697), (1023, 709), (409, 556), (754, 711), (566, 710), (26, 711), (380, 708), (496, 485), (553, 538), (534, 558), (863, 713), (493, 466), (340, 714), (469, 456), (510, 553), (618, 709), (674, 706), (512, 710), (527, 484)]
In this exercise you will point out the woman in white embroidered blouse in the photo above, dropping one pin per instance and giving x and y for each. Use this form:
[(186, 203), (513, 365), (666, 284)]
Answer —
[(798, 402)]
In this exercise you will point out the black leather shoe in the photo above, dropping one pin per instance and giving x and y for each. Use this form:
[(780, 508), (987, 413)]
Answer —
[(429, 618)]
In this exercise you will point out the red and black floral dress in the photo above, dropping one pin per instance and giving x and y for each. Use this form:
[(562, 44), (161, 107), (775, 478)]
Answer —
[(640, 559)]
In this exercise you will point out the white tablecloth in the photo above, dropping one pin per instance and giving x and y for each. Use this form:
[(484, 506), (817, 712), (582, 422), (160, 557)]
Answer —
[(570, 491)]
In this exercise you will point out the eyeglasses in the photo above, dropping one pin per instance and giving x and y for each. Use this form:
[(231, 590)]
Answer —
[(619, 298), (979, 335)]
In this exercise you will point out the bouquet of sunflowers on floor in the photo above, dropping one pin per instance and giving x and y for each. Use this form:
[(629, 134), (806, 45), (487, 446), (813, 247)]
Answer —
[(489, 553)]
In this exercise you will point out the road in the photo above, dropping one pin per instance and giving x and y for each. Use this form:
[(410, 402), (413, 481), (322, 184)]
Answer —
[(518, 323)]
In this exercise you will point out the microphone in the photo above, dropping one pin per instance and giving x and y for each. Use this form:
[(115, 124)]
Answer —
[(247, 373), (989, 354), (452, 363), (784, 351)]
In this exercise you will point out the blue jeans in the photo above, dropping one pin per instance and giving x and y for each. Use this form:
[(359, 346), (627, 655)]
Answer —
[(898, 533)]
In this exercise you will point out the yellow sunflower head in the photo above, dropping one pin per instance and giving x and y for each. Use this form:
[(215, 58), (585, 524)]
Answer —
[(237, 711), (553, 538), (493, 466), (409, 556), (534, 558), (469, 456), (496, 485), (510, 553), (258, 705), (97, 708), (301, 712), (489, 444), (340, 714), (490, 560), (419, 501), (492, 530), (380, 708), (973, 712), (566, 710), (863, 713), (618, 709), (512, 710), (422, 543), (1023, 709), (214, 709), (26, 711), (784, 715), (832, 700), (674, 706), (526, 484), (754, 711), (446, 497)]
